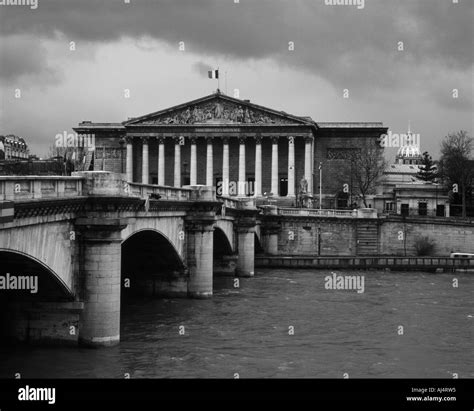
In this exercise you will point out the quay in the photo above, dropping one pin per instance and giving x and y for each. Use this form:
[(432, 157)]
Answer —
[(430, 264)]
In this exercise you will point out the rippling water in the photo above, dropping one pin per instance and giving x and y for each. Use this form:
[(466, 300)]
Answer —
[(246, 331)]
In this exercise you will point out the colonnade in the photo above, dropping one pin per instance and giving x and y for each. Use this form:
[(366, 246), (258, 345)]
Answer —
[(308, 166)]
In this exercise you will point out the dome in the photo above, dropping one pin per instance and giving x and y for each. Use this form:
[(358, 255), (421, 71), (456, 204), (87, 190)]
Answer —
[(409, 151)]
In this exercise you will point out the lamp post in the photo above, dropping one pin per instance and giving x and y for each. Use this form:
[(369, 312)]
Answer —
[(320, 185)]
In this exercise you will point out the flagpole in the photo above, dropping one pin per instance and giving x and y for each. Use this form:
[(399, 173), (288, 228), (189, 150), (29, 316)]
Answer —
[(225, 78), (218, 79)]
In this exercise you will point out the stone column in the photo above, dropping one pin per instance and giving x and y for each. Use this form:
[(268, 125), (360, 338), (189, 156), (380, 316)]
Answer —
[(199, 252), (209, 164), (161, 161), (258, 167), (225, 167), (275, 181), (177, 163), (241, 184), (193, 163), (246, 248), (145, 168), (100, 270), (308, 167), (129, 161), (291, 167)]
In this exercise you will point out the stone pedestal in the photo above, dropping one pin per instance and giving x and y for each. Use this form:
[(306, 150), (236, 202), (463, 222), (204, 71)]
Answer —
[(100, 266), (199, 254)]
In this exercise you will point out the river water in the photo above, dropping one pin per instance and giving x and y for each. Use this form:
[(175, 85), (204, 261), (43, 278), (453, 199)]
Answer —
[(283, 324)]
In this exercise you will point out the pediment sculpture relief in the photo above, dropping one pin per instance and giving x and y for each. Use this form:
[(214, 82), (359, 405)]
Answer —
[(217, 111)]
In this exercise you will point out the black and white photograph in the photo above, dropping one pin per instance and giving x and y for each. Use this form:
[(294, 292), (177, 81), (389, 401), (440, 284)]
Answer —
[(203, 196)]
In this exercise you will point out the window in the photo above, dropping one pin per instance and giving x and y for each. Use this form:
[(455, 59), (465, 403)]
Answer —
[(404, 209), (440, 210), (422, 208), (389, 206), (283, 187)]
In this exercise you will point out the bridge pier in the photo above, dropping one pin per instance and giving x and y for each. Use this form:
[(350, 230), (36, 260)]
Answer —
[(246, 247), (270, 238), (100, 266), (199, 252)]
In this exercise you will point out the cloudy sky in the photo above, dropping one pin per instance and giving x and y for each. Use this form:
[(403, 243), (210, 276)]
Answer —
[(135, 45)]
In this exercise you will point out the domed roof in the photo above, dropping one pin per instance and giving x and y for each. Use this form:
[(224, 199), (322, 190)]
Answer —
[(409, 151)]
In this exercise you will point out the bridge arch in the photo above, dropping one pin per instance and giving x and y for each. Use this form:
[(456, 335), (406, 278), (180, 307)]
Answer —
[(170, 227), (52, 245), (222, 245), (151, 265), (39, 312), (226, 227), (50, 284)]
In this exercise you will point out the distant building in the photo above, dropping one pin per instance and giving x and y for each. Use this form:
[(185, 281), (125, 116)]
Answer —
[(401, 192), (13, 148)]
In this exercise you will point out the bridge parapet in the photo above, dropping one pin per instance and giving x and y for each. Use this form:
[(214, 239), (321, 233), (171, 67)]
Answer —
[(239, 203), (164, 192), (103, 183), (309, 212), (20, 188)]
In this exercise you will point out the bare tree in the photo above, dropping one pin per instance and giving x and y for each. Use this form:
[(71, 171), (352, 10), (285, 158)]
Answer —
[(456, 166), (73, 158), (366, 165)]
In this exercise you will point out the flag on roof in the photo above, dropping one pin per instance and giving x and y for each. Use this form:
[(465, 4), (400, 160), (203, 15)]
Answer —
[(213, 74)]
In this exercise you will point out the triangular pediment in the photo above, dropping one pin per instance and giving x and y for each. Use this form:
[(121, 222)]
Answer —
[(217, 109)]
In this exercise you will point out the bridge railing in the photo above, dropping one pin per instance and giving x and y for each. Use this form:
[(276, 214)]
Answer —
[(19, 188), (165, 192), (316, 212), (311, 212)]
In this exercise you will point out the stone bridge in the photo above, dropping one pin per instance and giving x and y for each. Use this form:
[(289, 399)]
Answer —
[(93, 240)]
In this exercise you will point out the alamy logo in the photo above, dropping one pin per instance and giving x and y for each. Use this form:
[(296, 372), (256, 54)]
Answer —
[(235, 187), (21, 282), (344, 282), (32, 3), (75, 140), (399, 140), (37, 394), (359, 3)]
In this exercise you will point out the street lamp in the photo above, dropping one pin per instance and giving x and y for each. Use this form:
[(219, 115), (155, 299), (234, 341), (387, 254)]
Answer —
[(320, 184)]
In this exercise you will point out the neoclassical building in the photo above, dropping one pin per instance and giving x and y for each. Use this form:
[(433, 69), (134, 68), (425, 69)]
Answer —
[(216, 139)]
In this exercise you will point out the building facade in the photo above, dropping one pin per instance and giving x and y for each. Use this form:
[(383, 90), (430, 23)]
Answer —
[(241, 148), (13, 148)]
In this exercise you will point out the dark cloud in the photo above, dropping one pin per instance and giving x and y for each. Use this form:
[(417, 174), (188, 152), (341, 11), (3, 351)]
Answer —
[(350, 48), (202, 68), (22, 56)]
